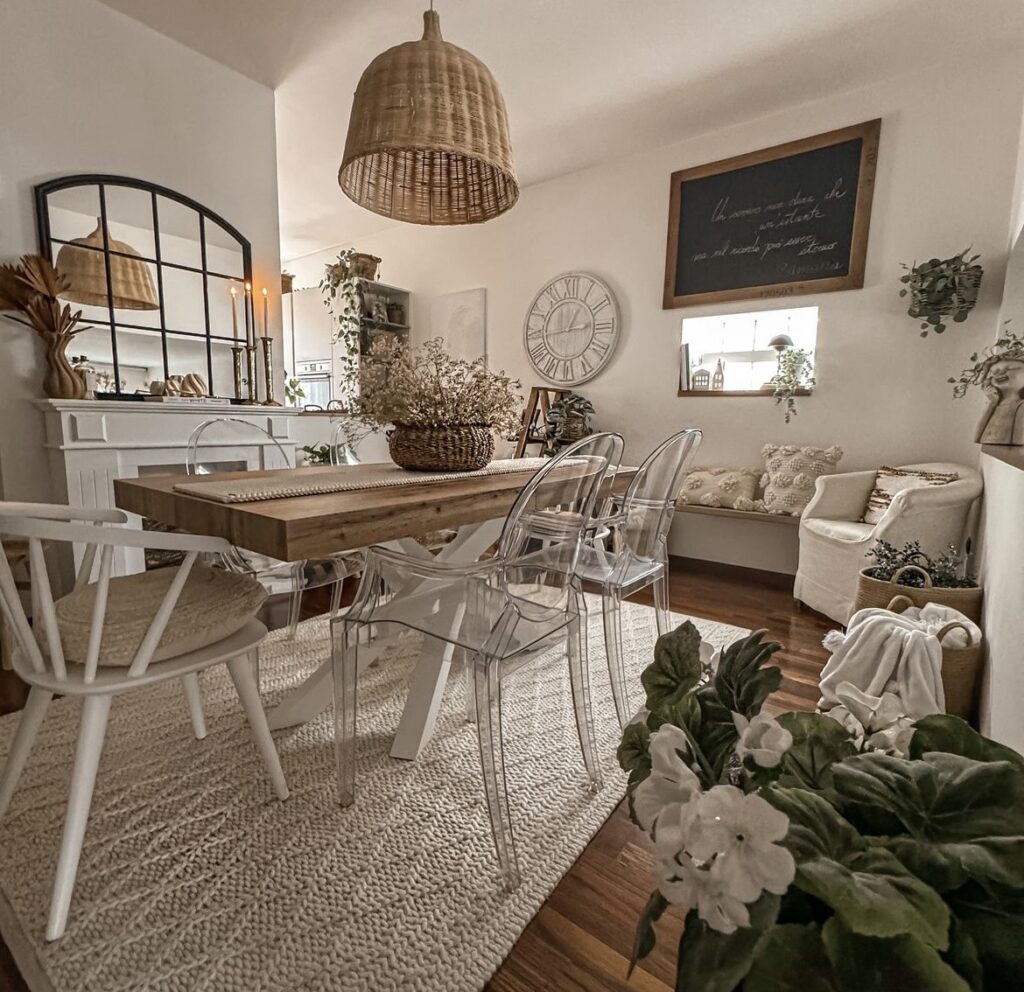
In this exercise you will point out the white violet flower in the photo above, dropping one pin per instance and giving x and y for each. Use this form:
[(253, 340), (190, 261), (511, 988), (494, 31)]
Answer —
[(717, 853), (671, 781), (763, 738), (710, 656)]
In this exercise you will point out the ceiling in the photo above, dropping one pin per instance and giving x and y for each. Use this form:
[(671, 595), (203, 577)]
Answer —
[(584, 80)]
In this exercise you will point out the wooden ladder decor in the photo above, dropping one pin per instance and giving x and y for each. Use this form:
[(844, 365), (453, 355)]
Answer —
[(535, 416)]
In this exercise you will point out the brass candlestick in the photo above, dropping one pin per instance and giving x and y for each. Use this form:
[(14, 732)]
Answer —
[(250, 363), (236, 367), (268, 370)]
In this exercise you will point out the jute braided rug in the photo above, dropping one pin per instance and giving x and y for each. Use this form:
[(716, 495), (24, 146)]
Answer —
[(194, 877)]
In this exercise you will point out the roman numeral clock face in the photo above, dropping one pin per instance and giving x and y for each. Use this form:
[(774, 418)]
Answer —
[(571, 328)]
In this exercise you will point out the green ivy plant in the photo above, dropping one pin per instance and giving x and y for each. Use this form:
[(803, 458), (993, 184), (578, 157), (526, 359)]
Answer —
[(795, 372), (1009, 345), (318, 454), (341, 290), (293, 391), (806, 862), (942, 288)]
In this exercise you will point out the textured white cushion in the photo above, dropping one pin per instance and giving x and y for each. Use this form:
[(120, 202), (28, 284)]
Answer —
[(719, 486), (891, 481), (839, 530), (214, 604), (790, 474)]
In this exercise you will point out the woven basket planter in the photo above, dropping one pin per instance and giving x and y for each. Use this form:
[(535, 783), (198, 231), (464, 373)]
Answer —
[(961, 667), (441, 449), (878, 593)]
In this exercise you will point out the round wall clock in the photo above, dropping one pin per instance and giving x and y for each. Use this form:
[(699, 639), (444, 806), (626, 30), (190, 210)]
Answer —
[(571, 328)]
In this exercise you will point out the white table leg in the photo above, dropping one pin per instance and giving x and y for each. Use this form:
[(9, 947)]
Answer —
[(426, 688)]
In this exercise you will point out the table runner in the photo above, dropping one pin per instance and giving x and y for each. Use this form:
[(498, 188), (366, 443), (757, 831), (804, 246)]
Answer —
[(345, 478)]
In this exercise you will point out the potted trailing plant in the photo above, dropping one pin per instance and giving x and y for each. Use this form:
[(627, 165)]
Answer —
[(568, 421), (910, 572), (998, 371), (941, 288), (341, 287), (795, 372), (444, 410), (33, 288), (808, 858), (293, 391), (317, 454)]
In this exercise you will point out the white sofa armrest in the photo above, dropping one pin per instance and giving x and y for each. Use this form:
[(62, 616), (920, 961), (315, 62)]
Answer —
[(841, 497)]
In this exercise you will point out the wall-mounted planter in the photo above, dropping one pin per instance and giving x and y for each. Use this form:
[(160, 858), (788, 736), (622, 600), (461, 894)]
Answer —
[(942, 289)]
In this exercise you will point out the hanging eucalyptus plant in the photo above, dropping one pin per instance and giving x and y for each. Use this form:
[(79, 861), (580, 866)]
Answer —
[(341, 289), (795, 372), (942, 288)]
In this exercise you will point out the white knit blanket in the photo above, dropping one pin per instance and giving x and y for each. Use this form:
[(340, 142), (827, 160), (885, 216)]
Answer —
[(314, 481)]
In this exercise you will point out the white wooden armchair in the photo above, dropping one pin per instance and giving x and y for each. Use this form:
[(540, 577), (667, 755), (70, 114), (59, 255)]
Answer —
[(834, 539)]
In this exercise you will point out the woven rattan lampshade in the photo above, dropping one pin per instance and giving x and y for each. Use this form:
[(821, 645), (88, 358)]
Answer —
[(86, 272), (428, 137)]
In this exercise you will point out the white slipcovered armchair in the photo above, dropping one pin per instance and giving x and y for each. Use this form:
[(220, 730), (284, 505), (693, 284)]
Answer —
[(834, 539)]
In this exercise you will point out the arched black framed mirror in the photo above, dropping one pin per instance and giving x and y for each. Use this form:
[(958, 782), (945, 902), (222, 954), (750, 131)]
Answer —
[(153, 272)]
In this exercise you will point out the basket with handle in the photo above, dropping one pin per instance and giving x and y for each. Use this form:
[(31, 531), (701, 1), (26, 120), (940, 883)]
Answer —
[(877, 593), (961, 667)]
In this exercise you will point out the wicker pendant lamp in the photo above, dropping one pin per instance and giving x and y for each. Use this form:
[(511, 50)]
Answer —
[(428, 136), (82, 261)]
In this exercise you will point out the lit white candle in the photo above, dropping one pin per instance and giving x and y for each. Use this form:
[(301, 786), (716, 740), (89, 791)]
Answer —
[(247, 304), (266, 313), (234, 312)]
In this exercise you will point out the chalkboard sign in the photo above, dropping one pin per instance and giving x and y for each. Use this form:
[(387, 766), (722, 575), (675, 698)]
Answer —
[(779, 222)]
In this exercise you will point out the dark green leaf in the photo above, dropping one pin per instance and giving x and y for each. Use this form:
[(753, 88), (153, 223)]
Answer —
[(635, 747), (894, 964), (816, 828), (645, 938), (818, 743), (741, 683), (994, 923), (791, 958), (942, 732), (676, 668), (710, 961), (947, 866), (962, 956)]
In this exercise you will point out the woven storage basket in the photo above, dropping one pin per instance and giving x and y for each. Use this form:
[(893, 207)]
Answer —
[(574, 429), (961, 667), (441, 449), (879, 592)]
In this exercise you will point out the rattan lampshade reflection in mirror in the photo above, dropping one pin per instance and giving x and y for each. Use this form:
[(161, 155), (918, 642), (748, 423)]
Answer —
[(428, 138), (82, 261)]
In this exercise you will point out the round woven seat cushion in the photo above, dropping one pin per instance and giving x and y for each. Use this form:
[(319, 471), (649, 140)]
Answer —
[(213, 605)]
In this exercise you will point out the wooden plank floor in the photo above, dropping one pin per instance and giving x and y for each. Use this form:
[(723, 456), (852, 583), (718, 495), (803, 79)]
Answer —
[(580, 939)]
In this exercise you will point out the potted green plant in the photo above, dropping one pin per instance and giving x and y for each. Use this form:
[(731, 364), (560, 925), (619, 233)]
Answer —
[(808, 857), (795, 373), (293, 391), (998, 371), (922, 578), (317, 454), (941, 288), (567, 421), (341, 287), (442, 411)]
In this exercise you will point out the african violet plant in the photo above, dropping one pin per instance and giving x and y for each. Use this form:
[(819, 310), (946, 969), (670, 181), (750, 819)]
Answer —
[(808, 862)]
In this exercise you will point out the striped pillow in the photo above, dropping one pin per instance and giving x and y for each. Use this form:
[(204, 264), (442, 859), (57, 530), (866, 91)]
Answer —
[(890, 481)]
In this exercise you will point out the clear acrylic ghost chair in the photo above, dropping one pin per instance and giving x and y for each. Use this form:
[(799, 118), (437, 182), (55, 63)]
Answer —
[(98, 660), (499, 611), (633, 554), (342, 451), (276, 576)]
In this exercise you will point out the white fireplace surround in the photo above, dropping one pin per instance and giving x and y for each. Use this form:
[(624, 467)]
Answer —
[(90, 443)]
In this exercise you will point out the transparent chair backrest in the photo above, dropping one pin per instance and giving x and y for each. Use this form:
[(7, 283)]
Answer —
[(650, 498), (342, 452), (540, 541), (227, 432)]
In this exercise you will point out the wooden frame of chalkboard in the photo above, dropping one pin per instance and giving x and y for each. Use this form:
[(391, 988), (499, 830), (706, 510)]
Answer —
[(783, 221)]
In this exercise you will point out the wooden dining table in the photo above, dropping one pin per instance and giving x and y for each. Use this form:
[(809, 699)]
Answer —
[(302, 527)]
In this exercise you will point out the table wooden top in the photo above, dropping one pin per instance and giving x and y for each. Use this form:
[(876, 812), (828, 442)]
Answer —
[(302, 527)]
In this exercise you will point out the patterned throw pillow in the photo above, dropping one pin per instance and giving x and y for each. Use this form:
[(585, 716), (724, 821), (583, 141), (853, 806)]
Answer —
[(890, 481), (720, 487), (790, 472)]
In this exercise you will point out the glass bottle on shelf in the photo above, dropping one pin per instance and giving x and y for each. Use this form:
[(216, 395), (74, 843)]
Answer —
[(718, 379)]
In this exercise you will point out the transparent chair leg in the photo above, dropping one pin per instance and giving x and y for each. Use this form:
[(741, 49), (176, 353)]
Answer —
[(612, 615), (336, 590), (294, 611), (345, 663), (487, 684), (579, 678), (661, 610)]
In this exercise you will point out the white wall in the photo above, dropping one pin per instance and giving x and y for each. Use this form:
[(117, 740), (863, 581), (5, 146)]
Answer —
[(86, 89), (945, 180)]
